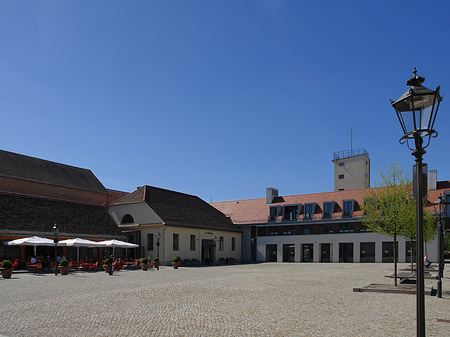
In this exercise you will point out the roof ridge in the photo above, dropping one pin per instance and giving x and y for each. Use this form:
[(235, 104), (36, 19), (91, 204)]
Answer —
[(46, 160)]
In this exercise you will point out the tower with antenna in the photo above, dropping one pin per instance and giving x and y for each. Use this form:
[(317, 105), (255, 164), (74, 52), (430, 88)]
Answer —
[(351, 168)]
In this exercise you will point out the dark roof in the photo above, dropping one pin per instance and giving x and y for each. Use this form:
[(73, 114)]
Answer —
[(17, 166), (180, 209), (31, 215)]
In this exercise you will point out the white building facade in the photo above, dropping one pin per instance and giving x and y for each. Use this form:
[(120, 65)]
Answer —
[(168, 224)]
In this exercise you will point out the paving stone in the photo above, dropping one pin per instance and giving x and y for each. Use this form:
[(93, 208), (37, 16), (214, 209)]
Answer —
[(270, 299)]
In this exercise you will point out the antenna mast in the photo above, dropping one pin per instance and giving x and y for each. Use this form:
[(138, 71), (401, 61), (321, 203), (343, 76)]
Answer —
[(351, 133)]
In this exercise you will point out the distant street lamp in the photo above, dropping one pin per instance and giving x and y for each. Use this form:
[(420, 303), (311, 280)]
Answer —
[(215, 249), (55, 240), (416, 111), (252, 257), (158, 237), (438, 207)]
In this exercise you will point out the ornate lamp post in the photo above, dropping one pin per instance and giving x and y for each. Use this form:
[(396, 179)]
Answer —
[(438, 208), (55, 240), (416, 111)]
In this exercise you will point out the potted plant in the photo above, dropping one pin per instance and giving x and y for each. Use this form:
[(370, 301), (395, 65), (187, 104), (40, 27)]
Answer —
[(176, 262), (144, 264), (156, 263), (64, 266), (106, 265), (7, 269)]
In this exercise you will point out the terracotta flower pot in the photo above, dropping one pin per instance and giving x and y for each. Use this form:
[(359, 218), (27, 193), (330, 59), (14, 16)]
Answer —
[(64, 270), (106, 267), (7, 272), (175, 265), (144, 266)]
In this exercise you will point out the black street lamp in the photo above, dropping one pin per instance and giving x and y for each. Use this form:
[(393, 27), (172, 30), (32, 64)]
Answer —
[(158, 237), (252, 252), (215, 249), (440, 231), (55, 240), (416, 111)]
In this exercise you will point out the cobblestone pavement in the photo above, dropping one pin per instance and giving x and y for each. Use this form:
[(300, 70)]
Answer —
[(270, 299)]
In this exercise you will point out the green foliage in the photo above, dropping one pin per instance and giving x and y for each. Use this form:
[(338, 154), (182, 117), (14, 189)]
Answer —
[(176, 259), (106, 261), (156, 260), (447, 242), (6, 264), (388, 207), (64, 263), (144, 260)]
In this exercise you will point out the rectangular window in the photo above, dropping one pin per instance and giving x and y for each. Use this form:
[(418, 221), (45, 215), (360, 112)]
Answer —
[(341, 176), (290, 212), (221, 243), (192, 242), (272, 230), (348, 208), (233, 244), (308, 229), (346, 228), (289, 230), (149, 241), (341, 164), (309, 211), (175, 242), (325, 229)]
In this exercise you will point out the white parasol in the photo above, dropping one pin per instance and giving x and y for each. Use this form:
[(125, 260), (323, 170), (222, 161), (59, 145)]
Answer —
[(117, 244), (77, 242), (31, 241)]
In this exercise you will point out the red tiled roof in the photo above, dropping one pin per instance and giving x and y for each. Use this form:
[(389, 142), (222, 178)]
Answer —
[(257, 211)]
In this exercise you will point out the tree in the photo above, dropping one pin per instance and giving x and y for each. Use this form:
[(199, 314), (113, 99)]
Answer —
[(387, 207)]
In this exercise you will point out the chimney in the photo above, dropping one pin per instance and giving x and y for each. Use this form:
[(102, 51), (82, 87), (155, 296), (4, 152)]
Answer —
[(432, 176), (271, 193)]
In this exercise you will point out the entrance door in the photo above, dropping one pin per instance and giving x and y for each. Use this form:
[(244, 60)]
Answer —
[(271, 253), (325, 249), (207, 251), (307, 252), (346, 252), (367, 252), (388, 251), (289, 253)]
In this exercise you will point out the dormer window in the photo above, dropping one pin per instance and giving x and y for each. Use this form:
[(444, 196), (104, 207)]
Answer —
[(347, 209), (309, 210), (447, 207), (127, 218), (274, 213), (291, 212), (328, 209)]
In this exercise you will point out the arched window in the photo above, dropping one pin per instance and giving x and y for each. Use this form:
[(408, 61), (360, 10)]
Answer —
[(127, 218)]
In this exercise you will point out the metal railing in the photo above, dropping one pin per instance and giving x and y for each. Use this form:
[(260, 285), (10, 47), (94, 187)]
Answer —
[(349, 153)]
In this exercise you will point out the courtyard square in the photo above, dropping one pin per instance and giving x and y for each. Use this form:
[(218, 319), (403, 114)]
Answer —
[(269, 299)]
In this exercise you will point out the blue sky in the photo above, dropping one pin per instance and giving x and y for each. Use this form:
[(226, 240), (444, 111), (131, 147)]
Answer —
[(220, 99)]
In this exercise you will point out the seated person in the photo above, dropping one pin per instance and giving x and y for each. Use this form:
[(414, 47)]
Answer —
[(33, 260), (426, 262)]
